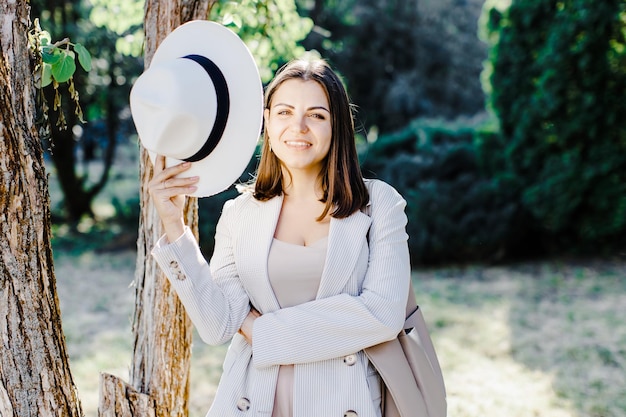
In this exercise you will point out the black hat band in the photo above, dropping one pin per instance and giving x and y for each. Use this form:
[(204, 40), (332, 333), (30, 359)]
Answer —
[(223, 106)]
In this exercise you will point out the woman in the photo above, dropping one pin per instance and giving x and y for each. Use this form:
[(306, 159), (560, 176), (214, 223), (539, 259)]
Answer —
[(301, 279)]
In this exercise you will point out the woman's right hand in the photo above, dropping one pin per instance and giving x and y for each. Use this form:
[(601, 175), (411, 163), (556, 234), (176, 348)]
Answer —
[(168, 195), (248, 325)]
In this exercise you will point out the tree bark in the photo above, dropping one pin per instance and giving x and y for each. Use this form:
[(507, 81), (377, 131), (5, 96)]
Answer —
[(35, 378), (162, 331), (122, 400)]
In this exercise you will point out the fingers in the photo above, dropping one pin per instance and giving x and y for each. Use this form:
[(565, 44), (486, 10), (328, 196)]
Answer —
[(159, 163), (173, 187), (168, 193), (163, 173), (176, 183), (165, 181), (246, 329)]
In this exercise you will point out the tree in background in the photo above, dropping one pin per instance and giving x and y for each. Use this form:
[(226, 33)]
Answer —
[(35, 377), (402, 59), (556, 77), (271, 29), (545, 174), (159, 374)]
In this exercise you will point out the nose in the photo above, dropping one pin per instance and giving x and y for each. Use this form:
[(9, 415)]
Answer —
[(300, 124)]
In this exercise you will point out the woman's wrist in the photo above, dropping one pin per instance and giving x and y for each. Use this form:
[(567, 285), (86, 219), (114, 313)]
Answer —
[(174, 230)]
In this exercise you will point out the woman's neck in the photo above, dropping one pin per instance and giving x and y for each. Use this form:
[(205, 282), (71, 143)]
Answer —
[(302, 186)]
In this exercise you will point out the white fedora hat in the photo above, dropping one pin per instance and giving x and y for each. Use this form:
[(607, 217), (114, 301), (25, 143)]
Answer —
[(201, 100)]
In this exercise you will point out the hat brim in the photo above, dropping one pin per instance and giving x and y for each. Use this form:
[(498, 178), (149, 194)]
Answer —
[(226, 163)]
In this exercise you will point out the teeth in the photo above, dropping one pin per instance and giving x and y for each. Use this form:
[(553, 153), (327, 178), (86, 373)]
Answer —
[(297, 143)]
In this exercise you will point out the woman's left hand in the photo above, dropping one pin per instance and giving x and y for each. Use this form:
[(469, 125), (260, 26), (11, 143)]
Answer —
[(248, 324), (168, 195)]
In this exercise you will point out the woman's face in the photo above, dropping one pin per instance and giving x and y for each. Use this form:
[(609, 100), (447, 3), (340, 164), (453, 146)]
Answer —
[(298, 125)]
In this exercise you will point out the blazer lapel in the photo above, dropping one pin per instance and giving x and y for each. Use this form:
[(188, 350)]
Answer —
[(258, 226), (344, 245)]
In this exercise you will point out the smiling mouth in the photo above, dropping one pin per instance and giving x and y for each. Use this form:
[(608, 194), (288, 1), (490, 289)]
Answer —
[(297, 144)]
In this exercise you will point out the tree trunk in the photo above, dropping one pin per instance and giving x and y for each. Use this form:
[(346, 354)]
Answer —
[(161, 328), (35, 378), (77, 202)]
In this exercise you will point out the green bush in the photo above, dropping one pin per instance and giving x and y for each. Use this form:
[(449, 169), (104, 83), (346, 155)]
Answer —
[(556, 77), (457, 211)]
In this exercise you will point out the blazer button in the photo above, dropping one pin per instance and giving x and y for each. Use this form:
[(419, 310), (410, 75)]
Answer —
[(175, 268), (350, 413), (350, 359), (243, 404)]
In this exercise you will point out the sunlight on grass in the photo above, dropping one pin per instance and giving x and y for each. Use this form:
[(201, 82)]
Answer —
[(110, 352), (481, 376), (96, 307), (206, 369), (529, 340)]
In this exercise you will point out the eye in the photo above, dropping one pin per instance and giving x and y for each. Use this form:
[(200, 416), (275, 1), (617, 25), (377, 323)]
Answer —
[(283, 112), (319, 116)]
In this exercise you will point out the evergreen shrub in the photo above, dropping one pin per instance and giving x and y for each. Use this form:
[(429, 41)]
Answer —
[(457, 210), (556, 79)]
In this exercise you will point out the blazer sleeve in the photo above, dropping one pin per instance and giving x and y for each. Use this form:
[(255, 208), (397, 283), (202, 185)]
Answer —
[(213, 296), (343, 324)]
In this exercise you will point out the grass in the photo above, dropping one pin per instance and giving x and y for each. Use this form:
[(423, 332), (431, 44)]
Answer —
[(525, 340), (543, 339)]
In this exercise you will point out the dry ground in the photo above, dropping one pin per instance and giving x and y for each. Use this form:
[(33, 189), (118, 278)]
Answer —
[(527, 340)]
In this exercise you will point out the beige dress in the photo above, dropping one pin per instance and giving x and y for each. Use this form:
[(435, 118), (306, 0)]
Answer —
[(294, 272)]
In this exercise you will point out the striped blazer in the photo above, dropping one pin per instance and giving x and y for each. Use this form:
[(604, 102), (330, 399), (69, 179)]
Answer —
[(360, 302)]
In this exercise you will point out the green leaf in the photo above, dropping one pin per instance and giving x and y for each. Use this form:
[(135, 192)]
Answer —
[(51, 55), (46, 75), (237, 21), (65, 68), (84, 57), (228, 19)]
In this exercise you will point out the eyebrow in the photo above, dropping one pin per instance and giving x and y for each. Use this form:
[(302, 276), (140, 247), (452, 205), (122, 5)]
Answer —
[(309, 109)]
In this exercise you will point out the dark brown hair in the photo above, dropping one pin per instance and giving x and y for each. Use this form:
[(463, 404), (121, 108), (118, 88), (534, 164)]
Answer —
[(340, 177)]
